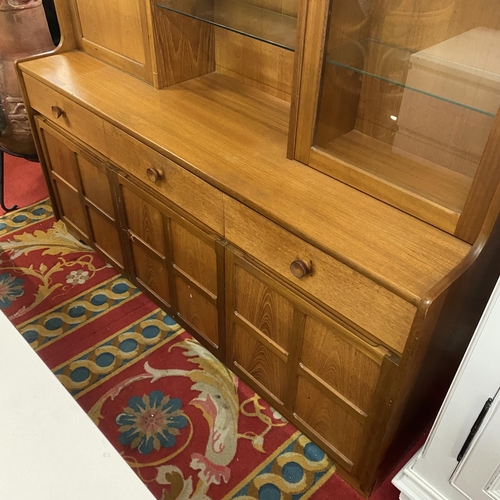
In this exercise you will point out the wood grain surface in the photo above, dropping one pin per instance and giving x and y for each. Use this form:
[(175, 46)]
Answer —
[(249, 163)]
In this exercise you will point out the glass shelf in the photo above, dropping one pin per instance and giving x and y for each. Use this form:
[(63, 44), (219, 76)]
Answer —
[(261, 24), (470, 83)]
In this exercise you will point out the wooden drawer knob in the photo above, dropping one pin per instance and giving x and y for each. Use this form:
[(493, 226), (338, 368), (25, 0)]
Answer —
[(154, 174), (57, 112), (300, 268)]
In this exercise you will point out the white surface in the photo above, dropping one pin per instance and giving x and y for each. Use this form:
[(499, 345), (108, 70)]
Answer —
[(49, 447), (478, 474), (429, 474)]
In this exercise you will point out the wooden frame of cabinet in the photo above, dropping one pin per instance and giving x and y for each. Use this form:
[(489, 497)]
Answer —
[(198, 162)]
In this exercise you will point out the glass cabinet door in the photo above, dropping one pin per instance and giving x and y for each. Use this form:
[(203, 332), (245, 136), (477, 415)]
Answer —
[(408, 96)]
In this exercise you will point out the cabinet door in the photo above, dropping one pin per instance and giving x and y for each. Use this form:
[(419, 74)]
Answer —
[(407, 104), (116, 32), (314, 370), (177, 263), (82, 192)]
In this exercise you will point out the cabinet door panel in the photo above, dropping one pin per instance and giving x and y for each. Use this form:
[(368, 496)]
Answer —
[(340, 429), (151, 271), (197, 310), (338, 363), (62, 159), (145, 220), (322, 375), (194, 257), (70, 207), (259, 362), (106, 236), (95, 186), (263, 307)]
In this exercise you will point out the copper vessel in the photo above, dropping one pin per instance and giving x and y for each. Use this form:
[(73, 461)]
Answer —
[(23, 32)]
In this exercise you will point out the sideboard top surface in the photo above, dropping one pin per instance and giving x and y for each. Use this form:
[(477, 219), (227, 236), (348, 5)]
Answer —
[(235, 138)]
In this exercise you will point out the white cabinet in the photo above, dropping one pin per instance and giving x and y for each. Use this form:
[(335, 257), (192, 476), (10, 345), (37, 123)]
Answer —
[(434, 472)]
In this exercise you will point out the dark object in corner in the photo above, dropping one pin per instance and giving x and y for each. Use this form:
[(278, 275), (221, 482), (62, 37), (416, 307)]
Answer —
[(50, 14)]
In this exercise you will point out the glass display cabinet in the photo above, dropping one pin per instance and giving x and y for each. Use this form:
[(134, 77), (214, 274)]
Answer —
[(407, 94)]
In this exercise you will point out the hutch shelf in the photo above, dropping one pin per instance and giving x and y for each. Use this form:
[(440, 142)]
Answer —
[(276, 28), (309, 187)]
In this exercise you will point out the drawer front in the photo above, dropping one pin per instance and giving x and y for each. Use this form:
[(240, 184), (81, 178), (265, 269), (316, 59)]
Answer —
[(74, 118), (175, 183), (360, 300)]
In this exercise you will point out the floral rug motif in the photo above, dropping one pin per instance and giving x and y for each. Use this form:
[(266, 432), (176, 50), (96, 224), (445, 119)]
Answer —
[(186, 424)]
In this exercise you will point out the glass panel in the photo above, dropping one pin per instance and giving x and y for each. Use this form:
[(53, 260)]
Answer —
[(403, 67), (409, 93), (266, 25)]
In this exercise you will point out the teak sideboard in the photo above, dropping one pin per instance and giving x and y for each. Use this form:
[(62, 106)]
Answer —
[(311, 188)]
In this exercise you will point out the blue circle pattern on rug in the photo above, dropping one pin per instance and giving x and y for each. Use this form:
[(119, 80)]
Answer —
[(77, 311), (269, 492), (92, 367), (98, 300), (88, 306), (53, 324), (290, 473)]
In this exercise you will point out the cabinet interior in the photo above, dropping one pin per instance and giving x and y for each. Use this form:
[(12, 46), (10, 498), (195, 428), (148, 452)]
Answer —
[(410, 92), (248, 42)]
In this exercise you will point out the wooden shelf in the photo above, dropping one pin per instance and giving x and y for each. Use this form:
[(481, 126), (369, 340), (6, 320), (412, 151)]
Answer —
[(262, 24), (395, 166)]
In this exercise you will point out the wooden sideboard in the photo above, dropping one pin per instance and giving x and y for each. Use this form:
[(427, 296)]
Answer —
[(172, 147)]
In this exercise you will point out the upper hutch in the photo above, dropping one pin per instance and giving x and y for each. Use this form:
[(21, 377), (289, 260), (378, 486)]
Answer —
[(310, 187)]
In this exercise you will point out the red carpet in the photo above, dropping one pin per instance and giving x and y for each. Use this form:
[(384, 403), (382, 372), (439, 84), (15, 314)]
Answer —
[(186, 425), (24, 182)]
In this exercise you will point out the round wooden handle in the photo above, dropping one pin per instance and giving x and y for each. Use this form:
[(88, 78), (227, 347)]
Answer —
[(57, 112), (154, 174), (300, 268)]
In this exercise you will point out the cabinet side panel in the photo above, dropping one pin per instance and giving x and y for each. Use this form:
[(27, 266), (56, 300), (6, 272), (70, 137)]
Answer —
[(460, 316), (184, 47)]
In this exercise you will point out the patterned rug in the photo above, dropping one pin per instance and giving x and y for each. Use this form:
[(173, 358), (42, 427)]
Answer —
[(187, 426)]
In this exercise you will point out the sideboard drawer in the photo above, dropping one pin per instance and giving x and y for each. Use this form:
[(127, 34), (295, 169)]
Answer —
[(172, 181), (360, 300), (69, 115)]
